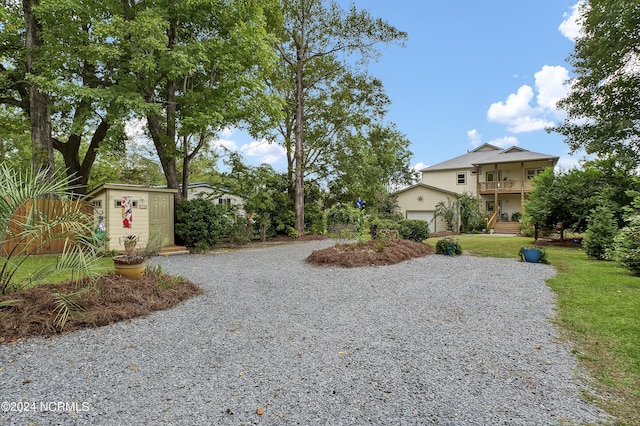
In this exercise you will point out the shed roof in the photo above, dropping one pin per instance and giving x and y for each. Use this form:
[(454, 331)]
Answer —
[(124, 186), (490, 154)]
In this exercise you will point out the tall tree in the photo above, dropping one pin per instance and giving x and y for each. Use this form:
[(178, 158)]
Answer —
[(199, 66), (368, 164), (317, 32), (603, 105), (38, 109), (66, 77)]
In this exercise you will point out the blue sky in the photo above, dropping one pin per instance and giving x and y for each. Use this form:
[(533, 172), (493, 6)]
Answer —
[(479, 72)]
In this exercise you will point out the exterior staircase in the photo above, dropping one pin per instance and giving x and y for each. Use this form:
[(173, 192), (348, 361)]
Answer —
[(172, 250), (511, 228)]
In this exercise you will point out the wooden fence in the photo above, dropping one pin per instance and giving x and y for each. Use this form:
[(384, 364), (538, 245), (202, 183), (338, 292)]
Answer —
[(44, 210)]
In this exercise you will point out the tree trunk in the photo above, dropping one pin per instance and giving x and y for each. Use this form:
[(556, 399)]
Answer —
[(185, 168), (298, 200), (167, 159), (42, 145), (80, 171), (164, 138)]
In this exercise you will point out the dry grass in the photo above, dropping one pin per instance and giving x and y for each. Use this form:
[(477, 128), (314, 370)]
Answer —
[(113, 298), (369, 253)]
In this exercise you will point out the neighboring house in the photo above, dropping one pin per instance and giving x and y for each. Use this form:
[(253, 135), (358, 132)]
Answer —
[(501, 177), (133, 209), (216, 194)]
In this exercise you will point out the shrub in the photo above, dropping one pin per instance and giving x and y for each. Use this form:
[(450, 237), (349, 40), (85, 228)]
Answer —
[(341, 215), (627, 245), (200, 221), (239, 230), (448, 246), (377, 225), (413, 229), (601, 231)]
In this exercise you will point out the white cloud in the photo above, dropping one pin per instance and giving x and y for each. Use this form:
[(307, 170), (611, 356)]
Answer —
[(419, 166), (505, 142), (267, 152), (226, 143), (521, 114), (475, 137), (571, 26), (517, 113), (226, 132), (552, 85)]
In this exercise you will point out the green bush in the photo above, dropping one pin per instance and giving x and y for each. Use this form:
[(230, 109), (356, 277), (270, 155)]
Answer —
[(377, 225), (200, 221), (448, 246), (341, 215), (239, 230), (627, 245), (413, 229), (601, 231)]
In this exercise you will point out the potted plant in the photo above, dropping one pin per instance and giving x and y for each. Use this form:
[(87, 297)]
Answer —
[(449, 246), (533, 255), (129, 242), (133, 263)]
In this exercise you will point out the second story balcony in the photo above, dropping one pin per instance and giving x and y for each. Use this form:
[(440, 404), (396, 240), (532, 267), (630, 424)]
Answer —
[(504, 187)]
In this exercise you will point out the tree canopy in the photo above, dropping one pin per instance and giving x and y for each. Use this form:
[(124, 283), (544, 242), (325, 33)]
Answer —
[(603, 106)]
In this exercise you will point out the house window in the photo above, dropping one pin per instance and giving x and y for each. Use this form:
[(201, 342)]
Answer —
[(534, 172), (224, 201), (134, 204), (461, 178), (494, 176), (491, 206), (97, 204)]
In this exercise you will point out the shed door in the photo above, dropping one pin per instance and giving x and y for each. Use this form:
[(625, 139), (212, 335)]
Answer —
[(161, 215)]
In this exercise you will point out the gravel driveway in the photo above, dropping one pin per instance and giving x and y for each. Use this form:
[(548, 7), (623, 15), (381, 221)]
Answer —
[(436, 340)]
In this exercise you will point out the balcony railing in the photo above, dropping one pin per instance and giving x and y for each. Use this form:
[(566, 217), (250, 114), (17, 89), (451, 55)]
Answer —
[(504, 186)]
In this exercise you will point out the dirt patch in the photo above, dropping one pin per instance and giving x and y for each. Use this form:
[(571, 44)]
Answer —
[(567, 242), (113, 298), (369, 253)]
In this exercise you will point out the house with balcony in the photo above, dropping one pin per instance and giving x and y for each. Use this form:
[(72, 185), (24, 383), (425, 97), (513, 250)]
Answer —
[(500, 177)]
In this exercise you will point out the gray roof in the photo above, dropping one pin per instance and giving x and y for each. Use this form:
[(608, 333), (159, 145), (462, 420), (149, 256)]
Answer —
[(423, 185), (489, 154)]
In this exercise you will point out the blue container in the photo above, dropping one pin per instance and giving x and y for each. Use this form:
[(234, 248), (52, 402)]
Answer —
[(531, 255)]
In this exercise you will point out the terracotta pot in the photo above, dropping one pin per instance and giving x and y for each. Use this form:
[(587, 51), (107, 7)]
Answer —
[(134, 271)]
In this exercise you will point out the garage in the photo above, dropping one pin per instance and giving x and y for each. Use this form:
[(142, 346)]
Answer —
[(422, 215)]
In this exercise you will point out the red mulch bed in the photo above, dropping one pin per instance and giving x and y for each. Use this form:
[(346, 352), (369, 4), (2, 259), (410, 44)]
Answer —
[(114, 298), (368, 253)]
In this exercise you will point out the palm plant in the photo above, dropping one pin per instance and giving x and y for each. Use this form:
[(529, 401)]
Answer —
[(449, 211), (35, 211)]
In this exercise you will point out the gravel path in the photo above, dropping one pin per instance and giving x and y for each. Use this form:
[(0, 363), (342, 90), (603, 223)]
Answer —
[(437, 340)]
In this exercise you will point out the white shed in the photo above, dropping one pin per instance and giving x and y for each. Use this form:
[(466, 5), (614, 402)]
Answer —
[(134, 209)]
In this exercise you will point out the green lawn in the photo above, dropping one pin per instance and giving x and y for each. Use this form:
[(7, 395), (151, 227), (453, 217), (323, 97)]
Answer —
[(34, 263), (598, 311)]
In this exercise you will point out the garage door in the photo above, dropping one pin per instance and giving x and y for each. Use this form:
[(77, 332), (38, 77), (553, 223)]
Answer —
[(420, 215), (423, 215)]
